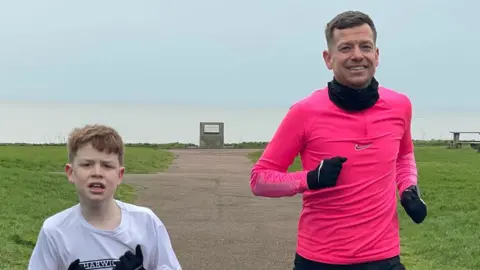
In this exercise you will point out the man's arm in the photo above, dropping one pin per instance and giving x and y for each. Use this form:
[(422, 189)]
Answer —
[(44, 255), (164, 257), (407, 174), (269, 176)]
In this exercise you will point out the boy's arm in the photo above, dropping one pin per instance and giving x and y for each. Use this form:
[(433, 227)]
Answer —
[(406, 165), (44, 255), (269, 176), (163, 255)]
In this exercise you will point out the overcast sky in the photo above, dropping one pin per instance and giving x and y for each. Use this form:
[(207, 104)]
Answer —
[(238, 53)]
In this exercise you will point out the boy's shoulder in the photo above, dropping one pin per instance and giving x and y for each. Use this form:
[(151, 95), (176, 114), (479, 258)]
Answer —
[(135, 209), (139, 213), (63, 219), (68, 220)]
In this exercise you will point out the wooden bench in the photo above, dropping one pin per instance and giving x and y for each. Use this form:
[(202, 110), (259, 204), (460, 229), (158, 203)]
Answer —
[(457, 143)]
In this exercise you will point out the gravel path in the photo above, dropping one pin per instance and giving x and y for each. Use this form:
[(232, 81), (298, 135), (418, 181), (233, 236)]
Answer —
[(214, 220)]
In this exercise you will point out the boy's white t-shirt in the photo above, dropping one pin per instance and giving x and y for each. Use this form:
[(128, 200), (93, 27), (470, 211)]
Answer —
[(67, 236)]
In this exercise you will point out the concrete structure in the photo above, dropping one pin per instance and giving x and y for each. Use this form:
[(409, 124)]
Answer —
[(211, 135), (457, 143)]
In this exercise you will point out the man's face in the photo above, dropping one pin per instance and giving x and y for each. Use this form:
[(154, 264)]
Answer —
[(353, 56), (95, 174)]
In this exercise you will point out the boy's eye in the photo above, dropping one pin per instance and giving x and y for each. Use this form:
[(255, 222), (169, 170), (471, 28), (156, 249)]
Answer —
[(89, 164)]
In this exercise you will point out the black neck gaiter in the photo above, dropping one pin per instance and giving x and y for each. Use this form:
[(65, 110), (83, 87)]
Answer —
[(351, 99)]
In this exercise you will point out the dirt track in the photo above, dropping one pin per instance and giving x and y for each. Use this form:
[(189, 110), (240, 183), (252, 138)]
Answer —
[(214, 220)]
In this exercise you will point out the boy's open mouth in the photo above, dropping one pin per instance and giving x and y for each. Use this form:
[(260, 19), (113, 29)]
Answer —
[(96, 187)]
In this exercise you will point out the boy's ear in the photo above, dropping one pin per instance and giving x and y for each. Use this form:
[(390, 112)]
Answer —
[(121, 174), (69, 172)]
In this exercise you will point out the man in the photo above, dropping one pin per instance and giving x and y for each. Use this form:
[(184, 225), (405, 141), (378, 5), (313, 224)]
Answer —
[(355, 143), (101, 232)]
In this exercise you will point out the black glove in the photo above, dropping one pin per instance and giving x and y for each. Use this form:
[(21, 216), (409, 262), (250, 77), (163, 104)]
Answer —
[(413, 205), (75, 265), (326, 174), (130, 261)]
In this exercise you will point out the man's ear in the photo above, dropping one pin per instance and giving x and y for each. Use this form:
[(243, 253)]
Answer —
[(327, 57)]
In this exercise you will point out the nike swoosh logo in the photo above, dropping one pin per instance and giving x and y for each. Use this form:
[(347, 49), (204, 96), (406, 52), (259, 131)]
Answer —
[(361, 147)]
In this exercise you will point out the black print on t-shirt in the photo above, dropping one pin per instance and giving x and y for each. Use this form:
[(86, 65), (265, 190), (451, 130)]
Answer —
[(99, 264)]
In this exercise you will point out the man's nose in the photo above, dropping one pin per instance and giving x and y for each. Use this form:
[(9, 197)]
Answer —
[(357, 54)]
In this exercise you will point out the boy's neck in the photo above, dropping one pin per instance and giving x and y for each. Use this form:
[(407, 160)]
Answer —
[(102, 215)]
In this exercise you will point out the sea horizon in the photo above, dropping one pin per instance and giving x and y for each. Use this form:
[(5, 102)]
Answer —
[(51, 122)]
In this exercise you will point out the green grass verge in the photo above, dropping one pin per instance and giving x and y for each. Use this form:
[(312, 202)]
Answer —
[(53, 158), (449, 237), (30, 192)]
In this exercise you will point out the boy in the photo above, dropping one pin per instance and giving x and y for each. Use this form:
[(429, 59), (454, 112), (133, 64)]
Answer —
[(101, 232)]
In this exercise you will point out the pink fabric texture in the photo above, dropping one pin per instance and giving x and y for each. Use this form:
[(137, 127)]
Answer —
[(355, 221)]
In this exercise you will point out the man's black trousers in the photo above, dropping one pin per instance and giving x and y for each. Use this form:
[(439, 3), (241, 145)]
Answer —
[(394, 263)]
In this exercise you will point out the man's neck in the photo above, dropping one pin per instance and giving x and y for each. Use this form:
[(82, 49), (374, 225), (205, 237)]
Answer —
[(355, 87), (353, 100), (102, 215)]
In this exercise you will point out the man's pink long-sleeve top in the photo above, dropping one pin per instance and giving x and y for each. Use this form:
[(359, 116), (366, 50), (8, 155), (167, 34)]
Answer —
[(355, 221)]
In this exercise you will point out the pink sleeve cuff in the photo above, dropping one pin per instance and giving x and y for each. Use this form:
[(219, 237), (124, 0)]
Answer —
[(406, 172), (270, 183)]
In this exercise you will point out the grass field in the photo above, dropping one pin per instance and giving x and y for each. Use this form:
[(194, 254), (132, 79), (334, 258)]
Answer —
[(29, 192), (449, 238)]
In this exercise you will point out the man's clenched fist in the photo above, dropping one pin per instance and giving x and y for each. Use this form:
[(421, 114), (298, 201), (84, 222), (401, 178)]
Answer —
[(413, 204), (326, 174)]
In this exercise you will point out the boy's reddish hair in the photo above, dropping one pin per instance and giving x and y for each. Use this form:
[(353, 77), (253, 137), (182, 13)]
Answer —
[(103, 138)]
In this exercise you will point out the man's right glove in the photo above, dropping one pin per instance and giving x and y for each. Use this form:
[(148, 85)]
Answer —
[(413, 204), (326, 174)]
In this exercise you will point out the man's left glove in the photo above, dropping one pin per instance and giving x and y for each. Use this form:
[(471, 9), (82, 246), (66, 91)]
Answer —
[(130, 261), (413, 204)]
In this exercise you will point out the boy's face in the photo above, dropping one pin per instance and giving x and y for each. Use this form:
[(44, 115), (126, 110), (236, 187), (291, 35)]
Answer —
[(95, 174)]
